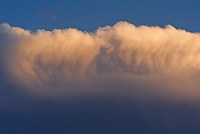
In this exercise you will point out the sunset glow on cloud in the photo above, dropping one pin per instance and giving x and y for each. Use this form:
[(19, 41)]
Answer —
[(122, 59)]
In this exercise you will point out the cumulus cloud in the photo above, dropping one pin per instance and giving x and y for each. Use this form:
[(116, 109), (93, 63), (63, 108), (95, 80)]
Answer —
[(119, 60)]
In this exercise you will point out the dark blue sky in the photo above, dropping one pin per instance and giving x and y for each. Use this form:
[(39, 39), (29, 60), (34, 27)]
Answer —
[(89, 15)]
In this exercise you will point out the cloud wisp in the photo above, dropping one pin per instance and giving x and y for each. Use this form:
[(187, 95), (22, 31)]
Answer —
[(48, 14), (119, 60)]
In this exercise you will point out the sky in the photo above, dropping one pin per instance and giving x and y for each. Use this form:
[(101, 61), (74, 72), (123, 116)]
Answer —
[(91, 14), (99, 67)]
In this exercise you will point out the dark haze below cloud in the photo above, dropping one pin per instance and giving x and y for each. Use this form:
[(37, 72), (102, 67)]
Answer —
[(99, 115)]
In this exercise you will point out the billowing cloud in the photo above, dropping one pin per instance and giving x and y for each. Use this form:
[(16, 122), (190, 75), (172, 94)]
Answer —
[(119, 60)]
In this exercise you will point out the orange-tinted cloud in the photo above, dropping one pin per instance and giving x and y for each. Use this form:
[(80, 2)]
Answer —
[(120, 60)]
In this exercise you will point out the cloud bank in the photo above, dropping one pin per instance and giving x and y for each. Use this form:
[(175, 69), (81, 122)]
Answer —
[(120, 60)]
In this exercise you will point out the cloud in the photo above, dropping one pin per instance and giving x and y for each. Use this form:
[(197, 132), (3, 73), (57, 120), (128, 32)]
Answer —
[(120, 60), (48, 14)]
